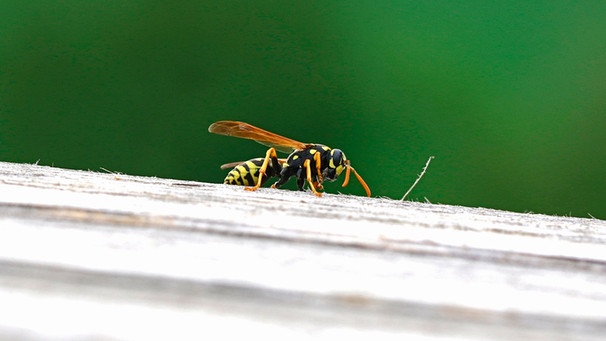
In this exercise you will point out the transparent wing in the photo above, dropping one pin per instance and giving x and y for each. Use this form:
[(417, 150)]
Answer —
[(248, 131)]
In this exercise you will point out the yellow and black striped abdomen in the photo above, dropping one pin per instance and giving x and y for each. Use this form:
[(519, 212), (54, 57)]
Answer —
[(244, 174), (247, 173)]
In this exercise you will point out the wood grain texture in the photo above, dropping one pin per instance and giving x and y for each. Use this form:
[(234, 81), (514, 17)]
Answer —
[(87, 255)]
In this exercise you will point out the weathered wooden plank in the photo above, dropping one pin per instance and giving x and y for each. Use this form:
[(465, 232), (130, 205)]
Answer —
[(86, 255)]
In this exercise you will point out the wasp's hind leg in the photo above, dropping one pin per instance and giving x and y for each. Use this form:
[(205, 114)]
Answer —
[(270, 155), (284, 175)]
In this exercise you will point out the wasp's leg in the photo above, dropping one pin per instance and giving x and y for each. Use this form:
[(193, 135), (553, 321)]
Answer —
[(300, 183), (284, 175), (318, 162), (271, 154), (307, 166)]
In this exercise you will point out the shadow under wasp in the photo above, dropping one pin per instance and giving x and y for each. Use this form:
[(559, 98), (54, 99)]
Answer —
[(307, 161)]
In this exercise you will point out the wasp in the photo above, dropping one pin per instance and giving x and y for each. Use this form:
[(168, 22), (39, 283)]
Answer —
[(309, 162)]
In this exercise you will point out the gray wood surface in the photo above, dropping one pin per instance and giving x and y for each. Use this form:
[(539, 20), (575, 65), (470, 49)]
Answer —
[(91, 255)]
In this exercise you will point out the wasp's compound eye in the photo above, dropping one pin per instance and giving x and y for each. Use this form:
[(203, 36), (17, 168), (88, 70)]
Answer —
[(337, 162), (337, 158)]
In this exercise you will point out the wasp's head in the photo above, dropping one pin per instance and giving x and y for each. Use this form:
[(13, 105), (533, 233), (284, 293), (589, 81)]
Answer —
[(336, 164)]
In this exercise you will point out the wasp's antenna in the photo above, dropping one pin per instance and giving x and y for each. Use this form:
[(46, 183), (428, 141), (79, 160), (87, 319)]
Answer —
[(346, 180), (366, 188), (362, 182)]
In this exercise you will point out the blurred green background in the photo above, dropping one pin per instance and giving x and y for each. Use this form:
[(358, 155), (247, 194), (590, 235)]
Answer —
[(510, 97)]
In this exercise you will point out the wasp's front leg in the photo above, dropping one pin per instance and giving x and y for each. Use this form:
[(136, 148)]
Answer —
[(312, 184), (318, 162), (301, 182)]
